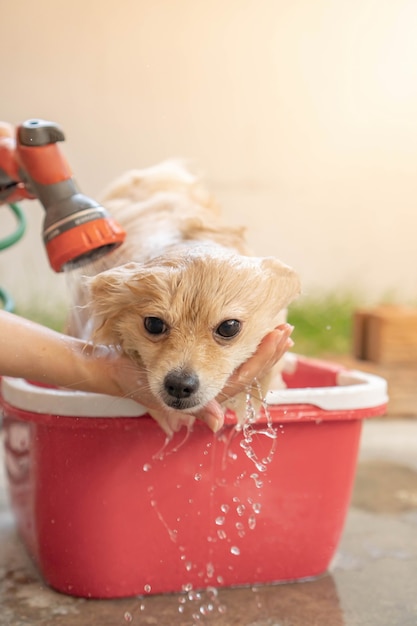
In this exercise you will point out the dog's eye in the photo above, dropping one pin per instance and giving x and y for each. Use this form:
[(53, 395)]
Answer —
[(155, 326), (228, 328)]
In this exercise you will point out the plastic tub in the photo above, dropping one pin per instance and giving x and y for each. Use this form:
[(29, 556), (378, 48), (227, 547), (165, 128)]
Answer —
[(107, 509)]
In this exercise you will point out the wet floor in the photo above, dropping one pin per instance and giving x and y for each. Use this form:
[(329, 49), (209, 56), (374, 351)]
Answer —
[(372, 580)]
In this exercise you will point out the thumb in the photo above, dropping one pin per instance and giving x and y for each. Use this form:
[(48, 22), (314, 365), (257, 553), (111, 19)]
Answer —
[(213, 415)]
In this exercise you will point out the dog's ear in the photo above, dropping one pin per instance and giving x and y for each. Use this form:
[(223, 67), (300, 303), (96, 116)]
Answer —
[(283, 282), (110, 294)]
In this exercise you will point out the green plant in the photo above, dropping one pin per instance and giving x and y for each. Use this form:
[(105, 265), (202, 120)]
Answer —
[(52, 318), (322, 325)]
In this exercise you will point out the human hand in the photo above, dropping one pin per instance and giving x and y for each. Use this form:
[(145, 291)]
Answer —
[(12, 189), (32, 351), (132, 383)]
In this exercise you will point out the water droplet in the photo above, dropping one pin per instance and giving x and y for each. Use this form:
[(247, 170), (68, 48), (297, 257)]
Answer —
[(212, 593), (128, 617), (206, 609), (241, 510), (252, 522), (240, 529), (220, 520), (224, 508), (220, 580), (147, 588), (188, 566), (221, 534), (235, 550), (257, 481), (236, 499), (256, 507), (222, 609), (197, 477), (182, 599), (194, 595), (181, 608), (147, 467), (187, 586), (142, 607)]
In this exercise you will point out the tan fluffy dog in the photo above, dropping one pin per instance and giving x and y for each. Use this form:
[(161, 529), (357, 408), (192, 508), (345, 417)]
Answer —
[(182, 296)]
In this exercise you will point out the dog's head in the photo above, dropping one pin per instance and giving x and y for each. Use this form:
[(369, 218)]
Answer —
[(192, 319)]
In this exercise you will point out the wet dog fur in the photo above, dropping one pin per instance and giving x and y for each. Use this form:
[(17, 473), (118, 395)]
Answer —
[(183, 296)]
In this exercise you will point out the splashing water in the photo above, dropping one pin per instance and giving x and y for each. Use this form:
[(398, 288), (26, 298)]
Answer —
[(172, 533), (249, 432), (165, 450), (232, 521), (259, 483), (200, 604)]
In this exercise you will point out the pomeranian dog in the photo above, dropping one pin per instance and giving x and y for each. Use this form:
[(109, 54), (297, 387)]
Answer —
[(183, 296)]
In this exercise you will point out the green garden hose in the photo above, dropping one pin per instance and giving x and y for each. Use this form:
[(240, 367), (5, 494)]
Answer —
[(10, 240)]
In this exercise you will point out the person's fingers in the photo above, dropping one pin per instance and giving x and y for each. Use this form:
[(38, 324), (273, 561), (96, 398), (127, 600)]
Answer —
[(270, 350), (171, 421), (213, 415), (6, 129)]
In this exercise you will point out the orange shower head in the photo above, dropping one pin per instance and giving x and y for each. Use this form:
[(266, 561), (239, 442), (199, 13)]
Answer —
[(76, 229)]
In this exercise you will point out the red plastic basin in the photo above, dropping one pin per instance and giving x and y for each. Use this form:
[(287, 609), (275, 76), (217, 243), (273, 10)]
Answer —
[(103, 515)]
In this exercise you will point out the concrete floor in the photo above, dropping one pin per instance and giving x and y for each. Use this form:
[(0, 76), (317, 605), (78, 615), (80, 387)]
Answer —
[(372, 580)]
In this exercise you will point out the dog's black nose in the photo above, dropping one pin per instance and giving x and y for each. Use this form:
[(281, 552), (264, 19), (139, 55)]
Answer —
[(181, 384)]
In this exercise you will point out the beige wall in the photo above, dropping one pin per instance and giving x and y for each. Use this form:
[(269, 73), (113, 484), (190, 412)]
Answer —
[(302, 114)]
